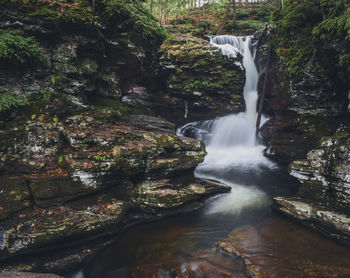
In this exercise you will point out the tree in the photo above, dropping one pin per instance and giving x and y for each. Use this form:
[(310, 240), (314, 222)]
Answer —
[(231, 5)]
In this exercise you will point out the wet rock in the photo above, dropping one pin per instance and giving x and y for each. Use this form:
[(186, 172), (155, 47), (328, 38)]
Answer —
[(142, 163), (321, 219), (278, 248), (322, 201), (164, 194), (34, 147), (324, 174), (301, 110), (198, 73), (204, 263), (8, 274), (73, 223), (290, 137)]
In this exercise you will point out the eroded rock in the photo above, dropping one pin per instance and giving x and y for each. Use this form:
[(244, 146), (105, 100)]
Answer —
[(38, 229), (322, 201)]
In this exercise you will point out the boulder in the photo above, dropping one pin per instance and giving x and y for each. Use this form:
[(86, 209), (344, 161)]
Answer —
[(199, 79)]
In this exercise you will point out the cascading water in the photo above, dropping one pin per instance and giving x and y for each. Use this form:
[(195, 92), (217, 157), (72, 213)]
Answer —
[(183, 244), (233, 153)]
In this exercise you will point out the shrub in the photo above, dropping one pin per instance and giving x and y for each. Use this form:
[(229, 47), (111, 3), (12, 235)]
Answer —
[(9, 100), (46, 95), (242, 13), (308, 28), (140, 15), (18, 49)]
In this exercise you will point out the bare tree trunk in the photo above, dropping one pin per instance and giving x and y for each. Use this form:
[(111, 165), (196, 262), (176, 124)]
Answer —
[(224, 20), (234, 12)]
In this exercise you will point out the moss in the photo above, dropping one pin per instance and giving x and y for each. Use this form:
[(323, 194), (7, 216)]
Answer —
[(79, 11), (139, 14), (119, 111), (235, 96), (82, 12), (47, 95)]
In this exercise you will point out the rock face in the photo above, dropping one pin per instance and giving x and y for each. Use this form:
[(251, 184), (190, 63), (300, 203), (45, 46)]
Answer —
[(302, 110), (200, 78), (88, 154), (322, 201), (309, 118), (138, 164)]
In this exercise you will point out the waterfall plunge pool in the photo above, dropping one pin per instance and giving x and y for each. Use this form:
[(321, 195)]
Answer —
[(234, 234)]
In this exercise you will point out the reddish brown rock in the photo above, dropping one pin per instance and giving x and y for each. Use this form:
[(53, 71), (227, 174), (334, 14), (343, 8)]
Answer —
[(278, 248)]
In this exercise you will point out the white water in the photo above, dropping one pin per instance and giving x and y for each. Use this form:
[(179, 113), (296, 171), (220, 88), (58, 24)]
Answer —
[(231, 145)]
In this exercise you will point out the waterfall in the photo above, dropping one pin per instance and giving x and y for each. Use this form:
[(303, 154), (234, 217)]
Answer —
[(233, 153)]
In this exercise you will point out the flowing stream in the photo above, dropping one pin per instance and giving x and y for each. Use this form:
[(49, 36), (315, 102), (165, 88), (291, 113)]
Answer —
[(185, 245), (231, 144)]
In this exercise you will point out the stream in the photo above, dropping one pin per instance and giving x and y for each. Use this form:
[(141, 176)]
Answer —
[(186, 245)]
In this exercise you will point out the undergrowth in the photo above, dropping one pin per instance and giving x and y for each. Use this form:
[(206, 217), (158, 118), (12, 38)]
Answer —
[(9, 100), (15, 48), (310, 29)]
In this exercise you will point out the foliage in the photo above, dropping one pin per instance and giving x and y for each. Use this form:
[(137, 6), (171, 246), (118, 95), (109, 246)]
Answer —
[(73, 11), (9, 100), (60, 159), (46, 95), (139, 14), (195, 85), (100, 157), (307, 29), (242, 13), (91, 12), (252, 25), (18, 49)]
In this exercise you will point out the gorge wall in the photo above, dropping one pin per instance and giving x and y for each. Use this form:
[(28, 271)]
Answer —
[(84, 151), (307, 99)]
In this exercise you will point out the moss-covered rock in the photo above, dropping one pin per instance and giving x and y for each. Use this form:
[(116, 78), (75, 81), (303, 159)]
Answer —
[(200, 75), (164, 194), (139, 160), (302, 110), (42, 227)]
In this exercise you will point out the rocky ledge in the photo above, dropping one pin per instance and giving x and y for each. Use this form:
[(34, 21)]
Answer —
[(322, 201), (69, 182)]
